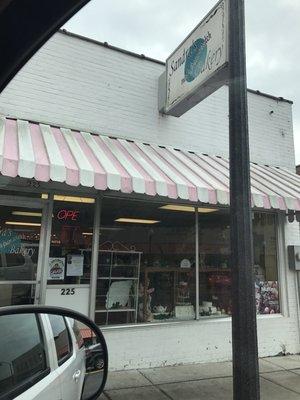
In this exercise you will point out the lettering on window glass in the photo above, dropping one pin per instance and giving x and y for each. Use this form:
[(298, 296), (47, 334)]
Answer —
[(68, 215), (10, 243)]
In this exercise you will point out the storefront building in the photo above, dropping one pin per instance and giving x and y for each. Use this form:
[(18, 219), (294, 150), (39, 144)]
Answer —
[(116, 211)]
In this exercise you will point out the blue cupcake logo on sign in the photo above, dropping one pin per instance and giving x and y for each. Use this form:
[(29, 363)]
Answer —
[(195, 60)]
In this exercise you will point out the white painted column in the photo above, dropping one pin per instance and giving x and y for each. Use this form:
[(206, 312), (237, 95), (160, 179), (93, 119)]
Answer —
[(95, 257), (46, 227), (197, 261)]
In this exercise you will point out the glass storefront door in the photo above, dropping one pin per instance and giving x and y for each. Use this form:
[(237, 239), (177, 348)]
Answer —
[(20, 227), (70, 256)]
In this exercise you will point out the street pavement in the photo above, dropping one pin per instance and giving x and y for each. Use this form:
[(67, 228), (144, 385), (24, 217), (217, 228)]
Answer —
[(279, 379)]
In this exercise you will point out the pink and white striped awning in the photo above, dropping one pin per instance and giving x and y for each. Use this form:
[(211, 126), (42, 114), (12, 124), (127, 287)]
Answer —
[(46, 153)]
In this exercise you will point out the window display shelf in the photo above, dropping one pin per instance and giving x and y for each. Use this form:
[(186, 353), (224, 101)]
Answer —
[(176, 287), (166, 269), (118, 291), (216, 253), (118, 278), (126, 252), (104, 295), (214, 316), (115, 310), (119, 265), (125, 265), (207, 270)]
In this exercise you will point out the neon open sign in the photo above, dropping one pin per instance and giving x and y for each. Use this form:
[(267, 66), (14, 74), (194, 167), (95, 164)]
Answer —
[(68, 215)]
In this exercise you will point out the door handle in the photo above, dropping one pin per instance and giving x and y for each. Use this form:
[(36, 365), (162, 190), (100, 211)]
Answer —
[(76, 375)]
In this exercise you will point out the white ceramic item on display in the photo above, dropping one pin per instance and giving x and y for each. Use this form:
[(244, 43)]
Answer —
[(207, 303), (185, 263), (185, 312), (204, 309), (160, 309)]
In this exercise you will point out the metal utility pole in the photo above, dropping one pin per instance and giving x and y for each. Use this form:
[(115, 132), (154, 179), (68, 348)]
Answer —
[(244, 332)]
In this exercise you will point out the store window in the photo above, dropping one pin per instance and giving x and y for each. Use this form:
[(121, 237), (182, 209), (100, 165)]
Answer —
[(146, 266), (19, 249), (215, 268), (265, 263), (71, 240), (146, 270), (214, 263)]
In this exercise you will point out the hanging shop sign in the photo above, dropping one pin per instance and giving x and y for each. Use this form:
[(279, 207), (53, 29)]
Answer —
[(199, 65), (56, 268)]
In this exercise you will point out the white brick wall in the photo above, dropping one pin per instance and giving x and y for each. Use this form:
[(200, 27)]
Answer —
[(81, 85), (194, 342)]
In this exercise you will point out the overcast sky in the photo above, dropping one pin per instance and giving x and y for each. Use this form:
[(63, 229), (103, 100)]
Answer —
[(156, 27)]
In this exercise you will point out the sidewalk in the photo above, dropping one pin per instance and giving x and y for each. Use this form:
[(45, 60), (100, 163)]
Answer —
[(280, 380)]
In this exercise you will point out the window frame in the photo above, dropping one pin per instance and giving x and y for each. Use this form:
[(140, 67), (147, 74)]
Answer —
[(280, 259), (282, 264), (53, 225), (37, 377)]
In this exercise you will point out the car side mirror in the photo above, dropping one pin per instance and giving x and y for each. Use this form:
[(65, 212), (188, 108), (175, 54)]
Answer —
[(50, 351)]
